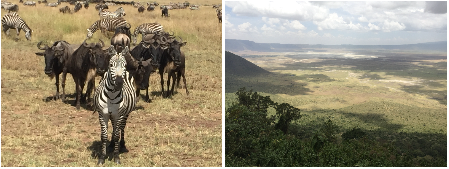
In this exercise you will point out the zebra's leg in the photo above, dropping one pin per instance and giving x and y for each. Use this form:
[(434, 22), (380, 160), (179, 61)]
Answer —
[(104, 136), (122, 136), (115, 137)]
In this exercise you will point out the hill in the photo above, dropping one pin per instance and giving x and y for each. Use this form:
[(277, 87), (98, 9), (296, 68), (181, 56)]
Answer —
[(236, 65)]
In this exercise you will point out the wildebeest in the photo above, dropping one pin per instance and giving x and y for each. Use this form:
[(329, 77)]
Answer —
[(219, 15), (216, 6), (11, 7), (151, 7), (101, 6), (148, 51), (121, 38), (30, 3), (54, 4), (84, 64), (78, 6), (141, 9), (165, 12), (172, 62), (20, 1), (86, 5), (55, 59), (65, 9)]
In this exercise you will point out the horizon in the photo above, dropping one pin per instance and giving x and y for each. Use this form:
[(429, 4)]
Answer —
[(336, 23), (333, 44)]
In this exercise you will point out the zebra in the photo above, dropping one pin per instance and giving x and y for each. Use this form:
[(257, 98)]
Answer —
[(146, 28), (30, 3), (114, 99), (120, 12), (14, 21), (106, 24)]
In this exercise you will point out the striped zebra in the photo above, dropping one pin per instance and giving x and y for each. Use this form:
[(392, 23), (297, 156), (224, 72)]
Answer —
[(14, 21), (114, 99), (120, 12), (106, 24), (146, 28)]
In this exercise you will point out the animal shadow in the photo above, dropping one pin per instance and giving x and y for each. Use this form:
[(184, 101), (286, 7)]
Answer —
[(95, 149)]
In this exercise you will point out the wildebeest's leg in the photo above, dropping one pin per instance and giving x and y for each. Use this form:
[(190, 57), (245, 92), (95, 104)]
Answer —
[(64, 74), (104, 136), (161, 72), (90, 87), (56, 97), (172, 76), (182, 72)]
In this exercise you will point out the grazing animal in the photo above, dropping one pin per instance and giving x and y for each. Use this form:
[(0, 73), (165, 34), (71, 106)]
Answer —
[(84, 64), (186, 4), (30, 3), (151, 7), (165, 12), (11, 7), (216, 6), (14, 21), (141, 9), (105, 25), (54, 4), (78, 6), (219, 15), (101, 6), (171, 62), (147, 28), (65, 9), (120, 12), (114, 99), (148, 51), (86, 5), (20, 1), (39, 2), (194, 8), (55, 59), (121, 38)]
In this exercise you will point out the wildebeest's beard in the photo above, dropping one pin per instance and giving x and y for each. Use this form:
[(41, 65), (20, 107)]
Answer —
[(175, 54)]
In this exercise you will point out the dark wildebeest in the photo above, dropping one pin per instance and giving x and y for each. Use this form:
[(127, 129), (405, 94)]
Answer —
[(65, 9), (148, 50), (85, 63), (78, 6), (165, 12), (219, 15), (141, 9), (172, 62), (121, 37), (55, 59), (151, 7), (86, 5)]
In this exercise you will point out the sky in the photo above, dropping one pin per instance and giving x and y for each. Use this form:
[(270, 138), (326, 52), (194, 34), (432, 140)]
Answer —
[(336, 23)]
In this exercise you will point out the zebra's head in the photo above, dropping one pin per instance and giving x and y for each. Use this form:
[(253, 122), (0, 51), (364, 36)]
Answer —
[(117, 67), (28, 34)]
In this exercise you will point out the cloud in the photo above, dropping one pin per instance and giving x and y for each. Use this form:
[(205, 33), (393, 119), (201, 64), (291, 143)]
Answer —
[(228, 25), (284, 10), (244, 27), (271, 21), (373, 27), (390, 5), (389, 26), (337, 23), (266, 28), (295, 25), (362, 19), (436, 7)]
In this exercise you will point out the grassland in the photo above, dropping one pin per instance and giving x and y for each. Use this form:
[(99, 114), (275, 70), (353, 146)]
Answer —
[(401, 97), (178, 131)]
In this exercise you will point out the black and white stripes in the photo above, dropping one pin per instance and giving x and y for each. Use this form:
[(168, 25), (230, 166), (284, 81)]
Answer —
[(120, 12), (147, 28), (13, 21), (105, 24), (114, 99)]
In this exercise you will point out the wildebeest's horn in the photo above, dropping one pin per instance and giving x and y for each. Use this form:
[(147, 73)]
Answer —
[(39, 46), (163, 39), (102, 43)]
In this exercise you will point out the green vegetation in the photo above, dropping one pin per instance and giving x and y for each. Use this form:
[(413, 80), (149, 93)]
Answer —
[(253, 137)]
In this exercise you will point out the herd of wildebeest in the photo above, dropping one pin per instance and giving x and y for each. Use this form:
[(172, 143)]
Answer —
[(124, 71), (157, 50)]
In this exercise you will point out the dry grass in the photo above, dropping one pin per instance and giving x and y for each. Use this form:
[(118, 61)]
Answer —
[(178, 131)]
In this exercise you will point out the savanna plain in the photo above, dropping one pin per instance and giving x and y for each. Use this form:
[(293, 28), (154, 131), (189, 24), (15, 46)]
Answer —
[(397, 97), (183, 130)]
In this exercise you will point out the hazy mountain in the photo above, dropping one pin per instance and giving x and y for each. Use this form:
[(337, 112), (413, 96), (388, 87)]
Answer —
[(240, 45), (236, 65)]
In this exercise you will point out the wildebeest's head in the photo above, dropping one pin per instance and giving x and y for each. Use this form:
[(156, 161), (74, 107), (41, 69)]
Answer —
[(174, 49), (98, 56), (52, 55)]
